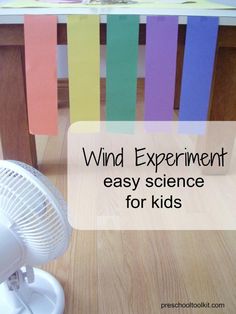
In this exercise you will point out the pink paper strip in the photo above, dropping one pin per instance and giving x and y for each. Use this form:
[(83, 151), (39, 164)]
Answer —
[(41, 73)]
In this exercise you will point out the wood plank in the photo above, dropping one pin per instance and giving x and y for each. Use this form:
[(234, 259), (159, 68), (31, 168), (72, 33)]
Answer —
[(112, 273), (17, 143)]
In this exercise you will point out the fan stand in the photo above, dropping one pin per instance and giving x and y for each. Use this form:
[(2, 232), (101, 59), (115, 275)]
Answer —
[(44, 295)]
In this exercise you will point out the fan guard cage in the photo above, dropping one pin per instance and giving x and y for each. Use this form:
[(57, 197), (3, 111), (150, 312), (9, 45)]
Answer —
[(35, 210)]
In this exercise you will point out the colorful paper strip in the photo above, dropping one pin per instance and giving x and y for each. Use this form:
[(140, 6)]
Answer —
[(84, 67), (122, 60), (41, 73), (200, 48), (161, 52)]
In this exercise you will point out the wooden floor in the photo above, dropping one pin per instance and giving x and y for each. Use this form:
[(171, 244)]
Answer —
[(134, 272)]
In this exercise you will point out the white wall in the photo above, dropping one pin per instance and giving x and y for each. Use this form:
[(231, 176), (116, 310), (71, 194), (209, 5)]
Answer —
[(63, 65)]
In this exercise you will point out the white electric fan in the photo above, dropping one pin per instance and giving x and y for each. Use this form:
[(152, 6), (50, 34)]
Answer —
[(33, 230)]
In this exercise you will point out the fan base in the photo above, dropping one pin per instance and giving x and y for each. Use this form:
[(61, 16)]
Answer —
[(45, 295)]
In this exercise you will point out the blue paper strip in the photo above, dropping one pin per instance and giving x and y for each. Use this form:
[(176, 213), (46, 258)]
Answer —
[(199, 56)]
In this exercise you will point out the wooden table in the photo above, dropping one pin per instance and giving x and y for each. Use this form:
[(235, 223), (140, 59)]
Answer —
[(18, 144)]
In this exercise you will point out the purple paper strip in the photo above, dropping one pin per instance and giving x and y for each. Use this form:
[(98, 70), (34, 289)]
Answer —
[(161, 52)]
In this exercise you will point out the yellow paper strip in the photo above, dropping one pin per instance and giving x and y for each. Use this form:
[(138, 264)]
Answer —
[(84, 67)]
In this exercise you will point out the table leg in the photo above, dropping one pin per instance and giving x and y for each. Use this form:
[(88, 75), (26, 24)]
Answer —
[(223, 100), (179, 65), (17, 143)]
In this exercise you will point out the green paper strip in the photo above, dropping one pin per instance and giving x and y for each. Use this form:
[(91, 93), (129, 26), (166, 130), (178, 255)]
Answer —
[(122, 60), (84, 67)]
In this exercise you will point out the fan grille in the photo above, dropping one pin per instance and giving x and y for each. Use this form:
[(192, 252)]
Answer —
[(36, 211)]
